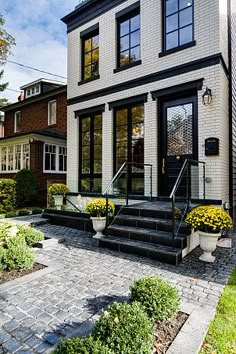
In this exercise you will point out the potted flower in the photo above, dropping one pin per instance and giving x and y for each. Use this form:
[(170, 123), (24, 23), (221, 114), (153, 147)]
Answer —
[(97, 208), (209, 221), (58, 191)]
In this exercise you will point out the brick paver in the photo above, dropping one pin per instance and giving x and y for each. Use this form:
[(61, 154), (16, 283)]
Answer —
[(34, 315)]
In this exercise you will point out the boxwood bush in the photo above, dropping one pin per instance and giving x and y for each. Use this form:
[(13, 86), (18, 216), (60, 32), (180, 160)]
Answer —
[(7, 194), (37, 211), (84, 345), (10, 214), (16, 255), (30, 235), (23, 212), (125, 329), (160, 300)]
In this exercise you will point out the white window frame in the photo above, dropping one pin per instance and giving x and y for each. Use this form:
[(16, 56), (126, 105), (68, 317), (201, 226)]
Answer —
[(32, 91), (15, 119), (7, 147), (49, 118), (56, 171)]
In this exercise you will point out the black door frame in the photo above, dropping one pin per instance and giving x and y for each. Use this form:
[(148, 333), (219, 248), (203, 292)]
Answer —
[(190, 96)]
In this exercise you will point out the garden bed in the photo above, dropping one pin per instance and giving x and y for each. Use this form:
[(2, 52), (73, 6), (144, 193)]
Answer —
[(15, 274), (166, 332)]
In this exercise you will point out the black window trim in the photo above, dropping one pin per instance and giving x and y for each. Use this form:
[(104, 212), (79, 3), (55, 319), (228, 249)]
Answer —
[(84, 35), (179, 47), (117, 108), (124, 15), (91, 176)]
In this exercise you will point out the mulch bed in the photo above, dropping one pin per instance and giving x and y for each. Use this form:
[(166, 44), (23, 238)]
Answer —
[(165, 332), (14, 274)]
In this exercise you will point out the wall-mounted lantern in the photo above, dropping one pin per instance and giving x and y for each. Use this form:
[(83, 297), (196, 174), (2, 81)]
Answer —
[(207, 97)]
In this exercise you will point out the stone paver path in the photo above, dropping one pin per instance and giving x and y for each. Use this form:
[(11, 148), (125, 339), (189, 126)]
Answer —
[(35, 314)]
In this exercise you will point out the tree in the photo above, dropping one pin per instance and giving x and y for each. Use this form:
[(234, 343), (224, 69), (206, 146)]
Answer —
[(4, 102), (6, 42)]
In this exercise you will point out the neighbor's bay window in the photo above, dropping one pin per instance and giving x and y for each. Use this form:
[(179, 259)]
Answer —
[(15, 157), (129, 38), (178, 23), (90, 55), (55, 158), (90, 170)]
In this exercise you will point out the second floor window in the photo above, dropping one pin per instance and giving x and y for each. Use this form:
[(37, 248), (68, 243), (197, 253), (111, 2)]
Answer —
[(129, 39), (52, 112), (178, 23), (90, 56), (17, 122)]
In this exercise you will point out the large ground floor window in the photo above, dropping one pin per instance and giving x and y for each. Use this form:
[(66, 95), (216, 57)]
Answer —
[(14, 158), (90, 153), (55, 158), (129, 145)]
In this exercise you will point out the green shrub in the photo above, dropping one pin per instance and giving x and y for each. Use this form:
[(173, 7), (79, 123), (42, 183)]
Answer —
[(37, 211), (125, 329), (10, 214), (30, 235), (2, 256), (7, 194), (17, 254), (26, 187), (3, 230), (23, 212), (85, 345), (160, 300)]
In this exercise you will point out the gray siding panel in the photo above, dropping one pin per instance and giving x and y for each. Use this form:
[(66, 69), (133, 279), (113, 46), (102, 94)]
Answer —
[(233, 43)]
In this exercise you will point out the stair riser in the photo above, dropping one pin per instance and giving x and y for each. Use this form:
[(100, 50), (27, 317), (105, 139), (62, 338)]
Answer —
[(161, 214), (149, 225), (159, 256), (157, 239)]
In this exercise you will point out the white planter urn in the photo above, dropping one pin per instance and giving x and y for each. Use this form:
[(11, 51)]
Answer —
[(58, 199), (208, 243), (99, 224)]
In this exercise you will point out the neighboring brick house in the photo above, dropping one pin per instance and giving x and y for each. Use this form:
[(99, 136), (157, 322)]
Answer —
[(134, 67), (35, 134)]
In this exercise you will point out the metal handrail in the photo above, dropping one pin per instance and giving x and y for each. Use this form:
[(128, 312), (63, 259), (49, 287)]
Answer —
[(186, 165), (118, 174)]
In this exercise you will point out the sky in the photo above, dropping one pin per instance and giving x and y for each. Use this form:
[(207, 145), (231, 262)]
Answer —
[(40, 37)]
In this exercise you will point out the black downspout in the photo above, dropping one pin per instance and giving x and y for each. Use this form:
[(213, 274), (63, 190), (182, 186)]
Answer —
[(230, 112)]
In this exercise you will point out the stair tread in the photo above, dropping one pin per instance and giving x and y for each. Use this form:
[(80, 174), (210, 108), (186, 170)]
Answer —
[(140, 244), (143, 230), (146, 219)]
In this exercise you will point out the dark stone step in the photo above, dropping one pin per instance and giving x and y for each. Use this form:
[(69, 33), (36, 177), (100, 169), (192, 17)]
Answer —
[(160, 253), (148, 236), (149, 223), (163, 214)]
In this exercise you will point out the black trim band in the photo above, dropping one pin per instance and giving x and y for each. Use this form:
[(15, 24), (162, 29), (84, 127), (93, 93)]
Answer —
[(128, 101), (87, 11), (94, 109), (158, 76), (188, 86), (127, 10)]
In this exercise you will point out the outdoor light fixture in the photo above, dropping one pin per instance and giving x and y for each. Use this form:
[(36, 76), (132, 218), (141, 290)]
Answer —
[(31, 140), (207, 97)]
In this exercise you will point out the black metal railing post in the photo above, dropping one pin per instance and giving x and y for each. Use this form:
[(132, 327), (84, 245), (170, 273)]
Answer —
[(127, 183), (173, 221)]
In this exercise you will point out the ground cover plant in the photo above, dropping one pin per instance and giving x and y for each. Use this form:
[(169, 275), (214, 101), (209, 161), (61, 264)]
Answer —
[(221, 337), (149, 321)]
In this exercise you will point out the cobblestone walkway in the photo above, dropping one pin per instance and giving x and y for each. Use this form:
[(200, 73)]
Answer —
[(35, 314)]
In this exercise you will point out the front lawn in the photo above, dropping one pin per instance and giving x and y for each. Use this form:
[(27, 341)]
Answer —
[(221, 337)]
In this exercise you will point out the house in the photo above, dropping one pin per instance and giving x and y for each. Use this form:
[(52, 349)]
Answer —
[(35, 134), (149, 82)]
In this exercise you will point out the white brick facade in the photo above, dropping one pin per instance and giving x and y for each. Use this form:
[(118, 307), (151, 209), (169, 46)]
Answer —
[(210, 33)]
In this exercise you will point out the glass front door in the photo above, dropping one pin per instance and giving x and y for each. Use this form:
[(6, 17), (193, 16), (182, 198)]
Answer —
[(129, 146), (178, 140)]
